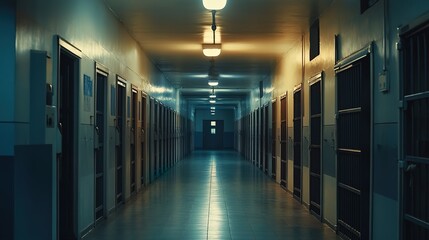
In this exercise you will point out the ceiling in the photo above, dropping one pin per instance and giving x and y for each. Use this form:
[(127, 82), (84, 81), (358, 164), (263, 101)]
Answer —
[(254, 34)]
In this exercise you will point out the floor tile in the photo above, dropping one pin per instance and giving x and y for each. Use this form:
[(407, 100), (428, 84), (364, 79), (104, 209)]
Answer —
[(212, 195)]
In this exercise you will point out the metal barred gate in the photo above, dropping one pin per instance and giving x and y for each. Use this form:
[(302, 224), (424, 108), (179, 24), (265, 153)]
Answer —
[(353, 148), (415, 132), (316, 101), (283, 141), (297, 128)]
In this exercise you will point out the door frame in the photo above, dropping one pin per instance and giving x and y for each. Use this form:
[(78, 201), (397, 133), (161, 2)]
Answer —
[(285, 141), (315, 79), (64, 46), (134, 109), (298, 88), (123, 83), (144, 137), (343, 64), (412, 26), (100, 69)]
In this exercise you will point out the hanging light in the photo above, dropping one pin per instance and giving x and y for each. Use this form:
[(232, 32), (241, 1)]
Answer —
[(213, 113), (212, 108), (214, 4), (213, 95), (212, 101), (212, 50), (213, 83)]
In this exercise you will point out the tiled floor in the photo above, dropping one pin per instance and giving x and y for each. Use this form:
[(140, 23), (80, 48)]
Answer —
[(212, 195)]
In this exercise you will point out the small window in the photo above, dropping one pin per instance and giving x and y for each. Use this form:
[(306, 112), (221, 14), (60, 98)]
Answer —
[(365, 4), (314, 39), (213, 123), (213, 131)]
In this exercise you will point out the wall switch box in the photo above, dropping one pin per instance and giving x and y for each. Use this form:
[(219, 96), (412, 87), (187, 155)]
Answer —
[(383, 82)]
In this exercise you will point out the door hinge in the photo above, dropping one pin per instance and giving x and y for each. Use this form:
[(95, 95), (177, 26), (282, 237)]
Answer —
[(402, 164)]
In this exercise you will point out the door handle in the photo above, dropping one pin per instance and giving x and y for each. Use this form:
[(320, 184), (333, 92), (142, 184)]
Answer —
[(97, 137), (60, 127)]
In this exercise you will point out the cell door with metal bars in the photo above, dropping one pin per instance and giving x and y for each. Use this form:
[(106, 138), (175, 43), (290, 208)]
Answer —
[(254, 136), (133, 138), (297, 129), (316, 101), (415, 133), (283, 141), (260, 137), (68, 76), (99, 142), (266, 138), (273, 139), (143, 145), (151, 143), (156, 139), (120, 125), (353, 149)]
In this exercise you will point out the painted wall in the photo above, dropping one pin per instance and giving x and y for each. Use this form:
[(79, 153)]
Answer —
[(92, 28), (228, 117)]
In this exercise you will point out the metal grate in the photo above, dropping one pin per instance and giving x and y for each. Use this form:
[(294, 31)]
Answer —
[(314, 39), (353, 157), (415, 178), (283, 141), (297, 124), (315, 147), (273, 140), (266, 138)]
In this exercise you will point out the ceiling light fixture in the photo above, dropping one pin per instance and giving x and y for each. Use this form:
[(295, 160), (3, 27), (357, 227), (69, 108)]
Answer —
[(213, 113), (212, 101), (214, 4), (212, 108), (212, 50), (213, 83), (213, 95)]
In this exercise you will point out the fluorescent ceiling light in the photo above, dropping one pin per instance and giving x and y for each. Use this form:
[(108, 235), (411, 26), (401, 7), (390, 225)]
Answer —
[(213, 113), (211, 50), (212, 95), (214, 4), (212, 101), (213, 83), (212, 108)]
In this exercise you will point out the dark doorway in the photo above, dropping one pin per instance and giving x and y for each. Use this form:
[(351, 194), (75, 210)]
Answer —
[(67, 124), (283, 141), (152, 140), (143, 140), (258, 137), (297, 163), (213, 134), (133, 137), (120, 125), (273, 139), (315, 146), (157, 134), (266, 138), (99, 138), (415, 133), (353, 149)]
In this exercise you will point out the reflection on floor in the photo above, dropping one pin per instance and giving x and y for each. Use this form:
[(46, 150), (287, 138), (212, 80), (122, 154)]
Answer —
[(212, 195)]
